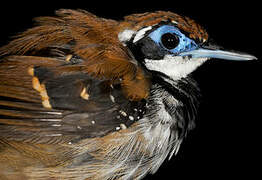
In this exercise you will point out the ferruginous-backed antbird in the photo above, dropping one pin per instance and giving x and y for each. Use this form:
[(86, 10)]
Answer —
[(83, 97)]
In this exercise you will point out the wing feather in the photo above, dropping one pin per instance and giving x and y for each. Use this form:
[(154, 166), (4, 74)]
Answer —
[(92, 39), (81, 105)]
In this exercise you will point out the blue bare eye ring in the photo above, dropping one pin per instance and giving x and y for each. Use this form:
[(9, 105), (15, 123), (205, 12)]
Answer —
[(172, 40)]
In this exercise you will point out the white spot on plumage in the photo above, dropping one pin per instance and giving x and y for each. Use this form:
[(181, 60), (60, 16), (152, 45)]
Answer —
[(54, 113), (174, 22), (51, 120), (112, 98), (125, 35), (131, 118), (56, 125), (53, 135), (140, 34), (123, 113), (123, 126), (118, 128)]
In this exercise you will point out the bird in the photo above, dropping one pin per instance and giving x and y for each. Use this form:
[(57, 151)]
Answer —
[(84, 97)]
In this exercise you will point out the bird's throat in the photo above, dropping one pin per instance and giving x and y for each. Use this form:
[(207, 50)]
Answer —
[(176, 67)]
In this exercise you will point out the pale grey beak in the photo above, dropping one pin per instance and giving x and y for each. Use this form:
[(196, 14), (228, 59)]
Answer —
[(218, 54)]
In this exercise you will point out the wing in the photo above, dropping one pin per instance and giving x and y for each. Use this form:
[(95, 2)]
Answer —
[(49, 100), (65, 80), (63, 77), (89, 38)]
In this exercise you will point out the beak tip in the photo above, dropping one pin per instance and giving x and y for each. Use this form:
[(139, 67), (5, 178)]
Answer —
[(252, 58), (255, 58)]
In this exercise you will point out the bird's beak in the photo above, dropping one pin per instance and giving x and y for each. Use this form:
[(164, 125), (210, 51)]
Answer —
[(211, 52)]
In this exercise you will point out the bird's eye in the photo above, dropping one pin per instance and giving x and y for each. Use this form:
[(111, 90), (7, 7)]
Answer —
[(169, 40)]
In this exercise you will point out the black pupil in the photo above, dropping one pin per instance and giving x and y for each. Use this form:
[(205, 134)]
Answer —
[(169, 41)]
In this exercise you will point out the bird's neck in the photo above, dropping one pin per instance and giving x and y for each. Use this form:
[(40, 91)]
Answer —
[(176, 67), (185, 91)]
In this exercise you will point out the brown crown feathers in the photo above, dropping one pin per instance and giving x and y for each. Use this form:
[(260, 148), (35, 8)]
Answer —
[(95, 41)]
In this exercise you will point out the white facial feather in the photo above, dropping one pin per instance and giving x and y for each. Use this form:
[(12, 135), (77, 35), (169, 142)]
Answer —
[(125, 35), (175, 67), (141, 33)]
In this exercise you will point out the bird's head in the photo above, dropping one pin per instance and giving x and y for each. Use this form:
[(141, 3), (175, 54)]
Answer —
[(171, 44)]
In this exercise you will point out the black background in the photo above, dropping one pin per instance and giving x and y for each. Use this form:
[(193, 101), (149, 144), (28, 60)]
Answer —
[(226, 141)]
